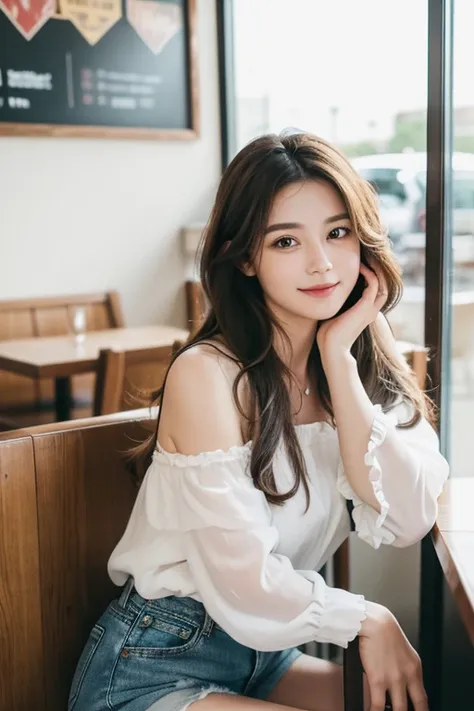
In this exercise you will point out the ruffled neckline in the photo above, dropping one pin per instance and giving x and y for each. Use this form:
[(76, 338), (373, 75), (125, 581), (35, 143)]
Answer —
[(305, 432)]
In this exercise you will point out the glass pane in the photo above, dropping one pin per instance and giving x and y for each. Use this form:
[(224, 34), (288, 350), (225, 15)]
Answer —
[(462, 244), (297, 65)]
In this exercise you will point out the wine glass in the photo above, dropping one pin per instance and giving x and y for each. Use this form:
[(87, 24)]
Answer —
[(79, 323)]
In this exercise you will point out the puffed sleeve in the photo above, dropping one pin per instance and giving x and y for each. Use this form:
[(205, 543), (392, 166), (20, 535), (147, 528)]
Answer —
[(250, 590), (407, 473)]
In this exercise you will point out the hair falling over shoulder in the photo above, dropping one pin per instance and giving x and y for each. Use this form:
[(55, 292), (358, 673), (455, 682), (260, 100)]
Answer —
[(237, 314)]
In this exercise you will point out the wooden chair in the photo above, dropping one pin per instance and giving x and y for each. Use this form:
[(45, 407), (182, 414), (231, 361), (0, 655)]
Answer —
[(66, 495), (125, 378), (196, 304), (50, 316)]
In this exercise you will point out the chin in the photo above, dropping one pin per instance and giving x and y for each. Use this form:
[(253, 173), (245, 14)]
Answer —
[(323, 311)]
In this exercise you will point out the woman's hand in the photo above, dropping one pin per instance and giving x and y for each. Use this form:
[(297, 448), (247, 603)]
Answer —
[(390, 662), (337, 335)]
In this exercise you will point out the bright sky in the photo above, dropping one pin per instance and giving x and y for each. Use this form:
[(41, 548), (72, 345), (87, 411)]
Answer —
[(366, 57)]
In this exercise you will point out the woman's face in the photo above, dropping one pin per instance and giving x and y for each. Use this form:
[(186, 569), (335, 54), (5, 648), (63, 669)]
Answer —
[(309, 259)]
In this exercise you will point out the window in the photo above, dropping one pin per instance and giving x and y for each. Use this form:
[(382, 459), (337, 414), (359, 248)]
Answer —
[(461, 238), (364, 91)]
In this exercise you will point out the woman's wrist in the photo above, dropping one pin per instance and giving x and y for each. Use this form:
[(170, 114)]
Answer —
[(333, 360), (377, 615)]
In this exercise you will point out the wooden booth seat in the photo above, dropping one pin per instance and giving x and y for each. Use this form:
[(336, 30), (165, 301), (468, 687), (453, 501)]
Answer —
[(65, 497), (66, 493), (50, 316)]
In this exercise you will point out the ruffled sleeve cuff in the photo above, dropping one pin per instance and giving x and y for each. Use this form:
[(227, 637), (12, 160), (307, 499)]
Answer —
[(342, 617), (369, 523)]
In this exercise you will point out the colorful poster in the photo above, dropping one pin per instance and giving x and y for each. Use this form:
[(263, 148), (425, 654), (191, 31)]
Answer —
[(92, 18), (155, 22), (28, 16)]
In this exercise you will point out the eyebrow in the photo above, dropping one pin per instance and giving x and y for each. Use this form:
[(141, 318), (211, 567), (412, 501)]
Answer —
[(336, 218), (283, 226), (298, 226)]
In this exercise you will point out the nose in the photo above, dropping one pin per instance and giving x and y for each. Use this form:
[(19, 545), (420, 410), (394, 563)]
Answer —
[(318, 260)]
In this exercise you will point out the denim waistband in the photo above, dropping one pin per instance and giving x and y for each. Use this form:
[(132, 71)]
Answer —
[(185, 608)]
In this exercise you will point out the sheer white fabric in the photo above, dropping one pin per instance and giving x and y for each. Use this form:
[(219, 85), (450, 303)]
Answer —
[(407, 473), (200, 528)]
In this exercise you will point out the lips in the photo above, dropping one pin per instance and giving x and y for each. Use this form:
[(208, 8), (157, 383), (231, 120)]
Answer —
[(320, 289)]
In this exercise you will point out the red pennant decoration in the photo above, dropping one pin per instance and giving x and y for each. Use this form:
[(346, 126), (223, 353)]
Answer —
[(28, 16)]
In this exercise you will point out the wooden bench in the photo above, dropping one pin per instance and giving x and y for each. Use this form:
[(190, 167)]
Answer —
[(50, 316), (65, 496)]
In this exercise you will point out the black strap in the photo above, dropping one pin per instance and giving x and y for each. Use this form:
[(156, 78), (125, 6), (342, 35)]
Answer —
[(350, 508)]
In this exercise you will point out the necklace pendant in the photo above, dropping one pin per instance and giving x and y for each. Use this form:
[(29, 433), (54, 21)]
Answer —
[(306, 391)]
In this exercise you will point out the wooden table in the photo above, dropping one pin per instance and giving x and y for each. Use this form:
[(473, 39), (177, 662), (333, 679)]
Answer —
[(448, 554), (60, 357), (453, 538)]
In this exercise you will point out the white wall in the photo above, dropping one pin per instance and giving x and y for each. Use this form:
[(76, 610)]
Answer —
[(81, 215)]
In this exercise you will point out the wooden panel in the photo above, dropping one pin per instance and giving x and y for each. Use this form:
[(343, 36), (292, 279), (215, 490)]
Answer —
[(453, 537), (341, 566), (126, 379), (16, 389), (21, 670), (98, 317), (16, 324), (52, 321), (85, 495), (141, 379), (115, 309), (196, 304)]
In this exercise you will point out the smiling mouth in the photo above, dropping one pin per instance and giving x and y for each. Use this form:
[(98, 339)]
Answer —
[(319, 291)]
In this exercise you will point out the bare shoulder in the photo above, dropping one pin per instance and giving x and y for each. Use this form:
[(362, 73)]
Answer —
[(199, 413)]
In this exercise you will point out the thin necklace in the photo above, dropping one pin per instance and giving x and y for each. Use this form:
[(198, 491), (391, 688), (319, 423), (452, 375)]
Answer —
[(303, 391)]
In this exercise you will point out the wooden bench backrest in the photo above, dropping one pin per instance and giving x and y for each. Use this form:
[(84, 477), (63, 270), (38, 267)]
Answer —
[(65, 497), (51, 316), (125, 379)]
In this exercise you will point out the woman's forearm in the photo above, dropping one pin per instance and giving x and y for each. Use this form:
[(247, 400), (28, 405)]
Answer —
[(354, 415)]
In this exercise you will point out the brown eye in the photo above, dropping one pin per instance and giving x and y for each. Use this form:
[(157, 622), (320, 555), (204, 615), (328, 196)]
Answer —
[(285, 242), (336, 232)]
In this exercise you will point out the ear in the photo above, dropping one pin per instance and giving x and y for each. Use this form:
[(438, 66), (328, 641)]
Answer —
[(248, 269)]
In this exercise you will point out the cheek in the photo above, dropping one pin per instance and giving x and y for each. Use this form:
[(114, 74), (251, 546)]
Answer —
[(274, 273), (348, 266)]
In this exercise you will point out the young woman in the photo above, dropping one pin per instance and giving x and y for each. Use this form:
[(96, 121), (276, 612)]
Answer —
[(290, 400)]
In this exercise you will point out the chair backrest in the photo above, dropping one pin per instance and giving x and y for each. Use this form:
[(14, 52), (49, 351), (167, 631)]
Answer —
[(196, 304), (65, 497), (124, 379), (50, 316), (417, 359)]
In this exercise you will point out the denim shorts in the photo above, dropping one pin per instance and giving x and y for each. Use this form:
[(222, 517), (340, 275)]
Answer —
[(162, 655)]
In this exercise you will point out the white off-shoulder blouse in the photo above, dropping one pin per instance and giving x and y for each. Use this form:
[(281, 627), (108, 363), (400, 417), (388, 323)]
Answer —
[(200, 528)]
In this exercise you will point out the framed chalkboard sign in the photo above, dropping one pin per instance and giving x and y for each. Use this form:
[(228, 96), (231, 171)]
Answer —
[(99, 68)]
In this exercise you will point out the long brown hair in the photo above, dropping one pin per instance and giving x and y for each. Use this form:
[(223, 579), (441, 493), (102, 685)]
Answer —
[(238, 315)]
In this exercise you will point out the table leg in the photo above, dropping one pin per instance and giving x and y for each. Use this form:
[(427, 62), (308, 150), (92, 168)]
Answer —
[(63, 399), (431, 622)]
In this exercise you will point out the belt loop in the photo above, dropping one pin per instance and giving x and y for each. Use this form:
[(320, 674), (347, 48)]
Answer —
[(208, 625), (126, 592)]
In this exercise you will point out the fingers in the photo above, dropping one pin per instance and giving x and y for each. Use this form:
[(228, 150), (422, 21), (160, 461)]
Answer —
[(376, 291), (377, 696), (417, 694), (398, 697)]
